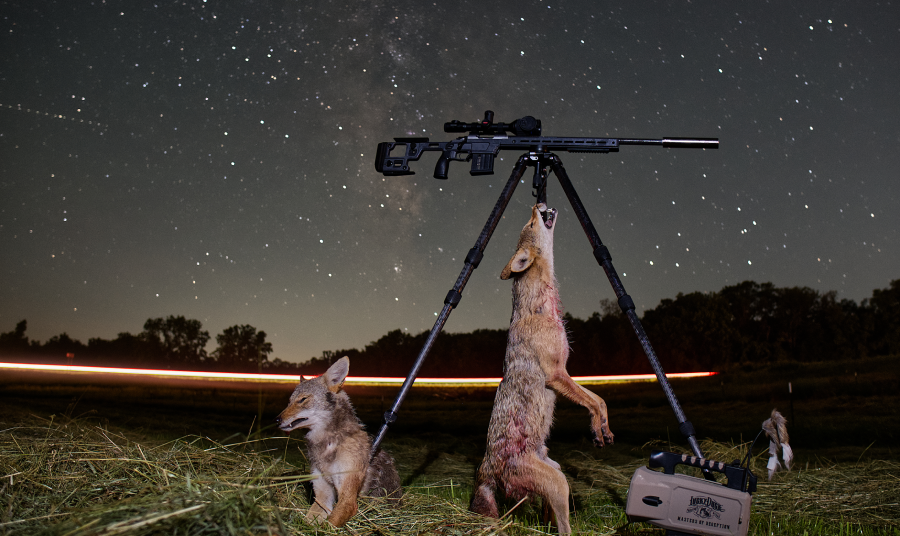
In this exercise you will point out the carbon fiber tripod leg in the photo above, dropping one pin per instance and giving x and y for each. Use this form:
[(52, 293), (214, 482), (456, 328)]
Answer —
[(453, 297), (601, 253)]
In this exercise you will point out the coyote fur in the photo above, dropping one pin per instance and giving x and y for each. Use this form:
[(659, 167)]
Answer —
[(535, 366), (776, 429), (338, 448)]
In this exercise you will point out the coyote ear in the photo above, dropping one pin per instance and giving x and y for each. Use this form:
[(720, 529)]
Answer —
[(518, 263), (335, 375)]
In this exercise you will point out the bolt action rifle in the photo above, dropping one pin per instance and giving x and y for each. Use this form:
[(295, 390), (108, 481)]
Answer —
[(486, 139)]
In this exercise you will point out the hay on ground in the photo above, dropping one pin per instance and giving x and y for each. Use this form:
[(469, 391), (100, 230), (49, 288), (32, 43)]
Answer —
[(77, 477)]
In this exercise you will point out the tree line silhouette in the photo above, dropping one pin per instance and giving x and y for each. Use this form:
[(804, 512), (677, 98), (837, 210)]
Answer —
[(745, 323), (172, 342)]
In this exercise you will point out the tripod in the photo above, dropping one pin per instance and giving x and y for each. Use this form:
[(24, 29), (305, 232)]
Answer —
[(541, 161)]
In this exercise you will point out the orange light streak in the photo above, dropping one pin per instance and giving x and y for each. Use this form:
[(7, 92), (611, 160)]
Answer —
[(293, 379)]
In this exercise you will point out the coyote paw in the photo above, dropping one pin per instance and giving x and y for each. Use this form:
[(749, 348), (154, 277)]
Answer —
[(316, 515), (605, 437)]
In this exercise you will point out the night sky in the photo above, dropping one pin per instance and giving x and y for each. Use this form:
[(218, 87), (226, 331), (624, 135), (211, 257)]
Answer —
[(214, 159)]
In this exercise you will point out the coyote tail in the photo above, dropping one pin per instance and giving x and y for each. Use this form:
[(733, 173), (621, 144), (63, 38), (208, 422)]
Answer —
[(776, 428)]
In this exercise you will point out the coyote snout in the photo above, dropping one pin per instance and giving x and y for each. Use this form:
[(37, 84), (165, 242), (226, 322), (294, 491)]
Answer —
[(536, 354), (338, 447)]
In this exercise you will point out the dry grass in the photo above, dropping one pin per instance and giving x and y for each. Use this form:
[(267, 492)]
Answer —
[(78, 477)]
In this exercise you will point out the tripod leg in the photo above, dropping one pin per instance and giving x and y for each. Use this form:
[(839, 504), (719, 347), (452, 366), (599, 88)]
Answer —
[(601, 253), (453, 297)]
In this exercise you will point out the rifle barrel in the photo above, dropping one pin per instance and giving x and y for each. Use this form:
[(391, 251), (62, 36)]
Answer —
[(682, 143)]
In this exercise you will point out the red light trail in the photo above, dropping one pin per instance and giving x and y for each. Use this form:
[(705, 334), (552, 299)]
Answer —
[(293, 379)]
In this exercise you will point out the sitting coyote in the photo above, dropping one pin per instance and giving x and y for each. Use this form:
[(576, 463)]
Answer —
[(536, 353), (338, 448)]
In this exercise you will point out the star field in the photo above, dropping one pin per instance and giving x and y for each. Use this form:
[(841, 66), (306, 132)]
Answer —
[(215, 159)]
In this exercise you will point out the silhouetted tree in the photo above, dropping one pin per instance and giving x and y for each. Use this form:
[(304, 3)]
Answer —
[(126, 349), (852, 336), (14, 343), (242, 348), (394, 351), (823, 333), (318, 365), (885, 311), (793, 312), (280, 366), (458, 355), (176, 340), (693, 331), (58, 346), (604, 343), (750, 309)]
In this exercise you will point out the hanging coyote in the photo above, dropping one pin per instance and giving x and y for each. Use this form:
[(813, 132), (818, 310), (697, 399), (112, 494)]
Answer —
[(535, 366)]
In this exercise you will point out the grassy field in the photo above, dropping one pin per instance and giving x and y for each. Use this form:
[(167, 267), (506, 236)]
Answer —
[(144, 459)]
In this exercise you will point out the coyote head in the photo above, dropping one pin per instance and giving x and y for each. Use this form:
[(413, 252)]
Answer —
[(313, 401), (536, 241)]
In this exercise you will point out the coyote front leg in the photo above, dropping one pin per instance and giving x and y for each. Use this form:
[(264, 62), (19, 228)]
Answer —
[(562, 383), (348, 487), (323, 499)]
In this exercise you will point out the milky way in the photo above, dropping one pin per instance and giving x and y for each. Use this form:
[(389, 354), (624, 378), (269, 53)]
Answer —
[(215, 159)]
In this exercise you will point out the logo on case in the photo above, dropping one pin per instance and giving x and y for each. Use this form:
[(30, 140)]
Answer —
[(705, 508)]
